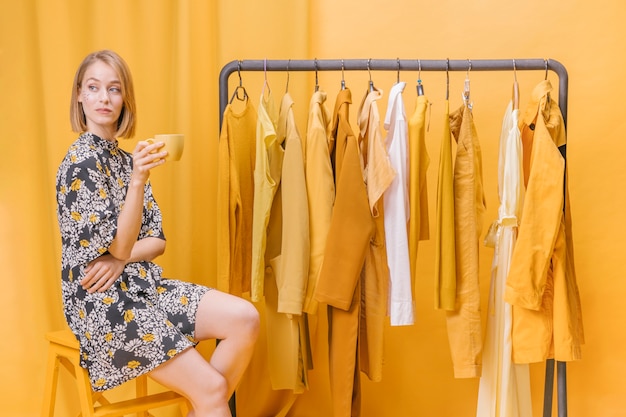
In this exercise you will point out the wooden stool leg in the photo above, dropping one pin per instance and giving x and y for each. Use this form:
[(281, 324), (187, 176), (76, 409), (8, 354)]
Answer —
[(84, 389), (184, 408), (141, 388), (50, 386)]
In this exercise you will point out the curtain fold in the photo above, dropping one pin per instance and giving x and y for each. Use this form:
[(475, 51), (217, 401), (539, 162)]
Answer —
[(171, 49)]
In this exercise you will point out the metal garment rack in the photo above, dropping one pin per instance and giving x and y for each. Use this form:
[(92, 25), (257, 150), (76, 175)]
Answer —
[(421, 65)]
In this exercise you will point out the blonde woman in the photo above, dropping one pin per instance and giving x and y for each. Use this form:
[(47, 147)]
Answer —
[(128, 319)]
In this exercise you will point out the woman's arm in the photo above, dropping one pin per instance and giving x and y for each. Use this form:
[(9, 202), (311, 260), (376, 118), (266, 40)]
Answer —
[(129, 220), (147, 249), (102, 272)]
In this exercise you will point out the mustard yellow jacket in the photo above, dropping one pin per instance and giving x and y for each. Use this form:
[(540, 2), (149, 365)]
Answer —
[(541, 285)]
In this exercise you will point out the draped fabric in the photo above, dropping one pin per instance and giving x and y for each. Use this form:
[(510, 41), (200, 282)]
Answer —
[(504, 389), (41, 45), (445, 254)]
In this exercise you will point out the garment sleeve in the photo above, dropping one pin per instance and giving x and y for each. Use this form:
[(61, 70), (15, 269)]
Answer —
[(152, 224), (538, 230), (87, 213)]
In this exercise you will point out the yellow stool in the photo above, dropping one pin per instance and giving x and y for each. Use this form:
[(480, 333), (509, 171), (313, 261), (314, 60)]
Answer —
[(63, 349)]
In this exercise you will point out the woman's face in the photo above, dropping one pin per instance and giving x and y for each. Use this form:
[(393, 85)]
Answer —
[(101, 97)]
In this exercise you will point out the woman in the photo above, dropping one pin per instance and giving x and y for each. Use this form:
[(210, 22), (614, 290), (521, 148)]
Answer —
[(128, 319)]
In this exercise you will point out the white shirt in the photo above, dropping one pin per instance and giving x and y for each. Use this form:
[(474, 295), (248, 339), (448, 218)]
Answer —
[(397, 212)]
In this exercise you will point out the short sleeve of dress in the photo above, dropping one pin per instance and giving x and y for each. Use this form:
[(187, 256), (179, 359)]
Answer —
[(86, 210), (151, 226)]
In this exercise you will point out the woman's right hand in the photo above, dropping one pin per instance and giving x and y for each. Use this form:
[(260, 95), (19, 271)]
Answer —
[(145, 157), (101, 273)]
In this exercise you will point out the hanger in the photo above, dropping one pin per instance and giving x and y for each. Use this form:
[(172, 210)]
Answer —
[(515, 88), (265, 83), (447, 78), (317, 86), (240, 87), (371, 88), (419, 87), (398, 74), (466, 90), (343, 81), (287, 85), (546, 62)]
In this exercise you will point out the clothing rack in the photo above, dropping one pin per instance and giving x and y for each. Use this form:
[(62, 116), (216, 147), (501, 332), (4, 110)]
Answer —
[(422, 65)]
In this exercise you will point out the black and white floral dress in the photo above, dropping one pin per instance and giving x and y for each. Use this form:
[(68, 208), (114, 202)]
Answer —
[(143, 319)]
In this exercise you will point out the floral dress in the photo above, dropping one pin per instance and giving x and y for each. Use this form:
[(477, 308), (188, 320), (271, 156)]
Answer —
[(143, 319)]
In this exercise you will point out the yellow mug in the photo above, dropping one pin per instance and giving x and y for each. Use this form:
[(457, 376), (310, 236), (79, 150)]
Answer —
[(173, 144)]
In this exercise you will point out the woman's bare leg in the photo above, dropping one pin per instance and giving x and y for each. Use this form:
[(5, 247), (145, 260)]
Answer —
[(189, 374), (209, 385), (235, 322)]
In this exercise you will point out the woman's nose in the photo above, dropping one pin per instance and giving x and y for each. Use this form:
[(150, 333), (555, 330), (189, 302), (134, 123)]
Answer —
[(104, 95)]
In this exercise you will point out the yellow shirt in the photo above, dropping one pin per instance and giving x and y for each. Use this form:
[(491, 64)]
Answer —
[(418, 190), (375, 278), (235, 196), (541, 286), (351, 226), (445, 257), (295, 227), (267, 171), (320, 187)]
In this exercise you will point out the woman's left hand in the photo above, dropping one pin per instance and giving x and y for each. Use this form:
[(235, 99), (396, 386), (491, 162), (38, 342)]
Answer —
[(101, 273)]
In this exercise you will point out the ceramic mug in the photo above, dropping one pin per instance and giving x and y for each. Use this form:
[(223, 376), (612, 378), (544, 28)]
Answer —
[(173, 144)]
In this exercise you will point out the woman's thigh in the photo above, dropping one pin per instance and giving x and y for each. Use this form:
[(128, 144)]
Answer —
[(221, 315)]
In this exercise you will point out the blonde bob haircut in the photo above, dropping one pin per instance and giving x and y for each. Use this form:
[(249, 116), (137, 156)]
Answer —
[(128, 117)]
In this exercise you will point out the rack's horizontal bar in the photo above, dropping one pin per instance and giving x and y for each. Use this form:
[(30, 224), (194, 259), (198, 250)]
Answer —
[(395, 65)]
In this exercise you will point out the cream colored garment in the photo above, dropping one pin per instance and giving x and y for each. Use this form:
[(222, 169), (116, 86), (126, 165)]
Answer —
[(320, 188), (294, 253), (504, 389), (267, 171), (378, 172), (375, 273), (286, 261), (396, 200)]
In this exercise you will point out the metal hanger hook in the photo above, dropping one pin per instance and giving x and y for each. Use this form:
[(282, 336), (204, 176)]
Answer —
[(419, 71), (546, 61), (514, 71), (371, 88), (398, 75), (343, 80), (342, 68), (287, 86), (317, 87), (447, 78)]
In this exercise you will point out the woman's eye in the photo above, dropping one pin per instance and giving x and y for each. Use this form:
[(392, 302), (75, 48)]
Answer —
[(115, 90), (92, 88)]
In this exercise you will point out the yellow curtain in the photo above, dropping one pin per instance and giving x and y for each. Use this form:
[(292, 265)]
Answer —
[(175, 50), (171, 48)]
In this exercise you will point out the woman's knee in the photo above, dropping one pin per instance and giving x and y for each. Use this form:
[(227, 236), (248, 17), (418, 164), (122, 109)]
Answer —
[(248, 319), (216, 386), (192, 376)]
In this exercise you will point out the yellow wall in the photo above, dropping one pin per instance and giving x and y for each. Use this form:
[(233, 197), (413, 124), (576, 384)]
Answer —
[(176, 49)]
